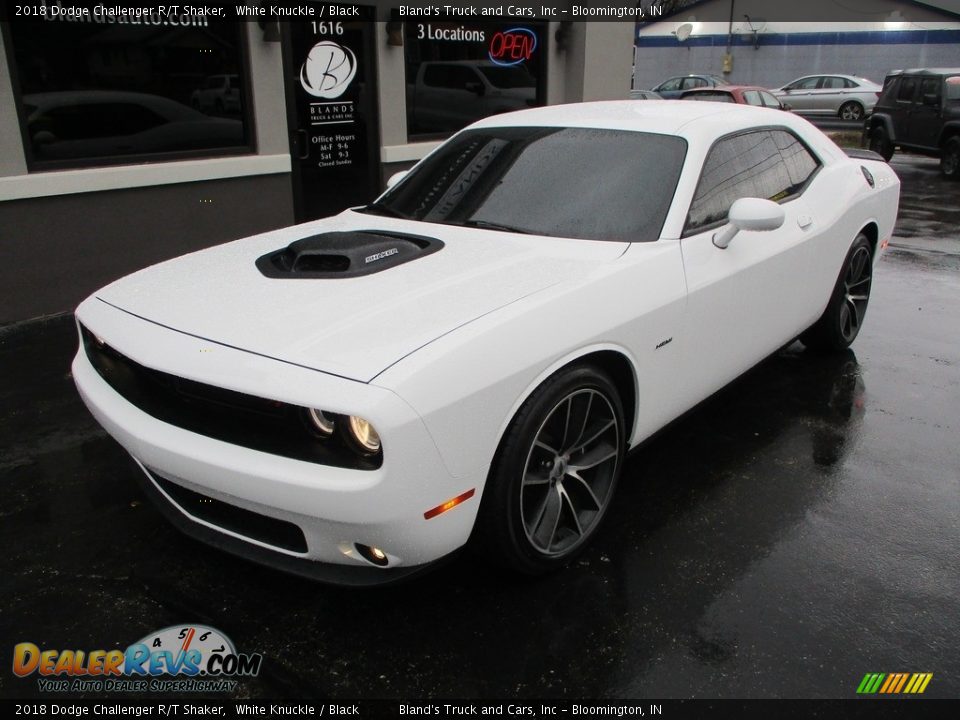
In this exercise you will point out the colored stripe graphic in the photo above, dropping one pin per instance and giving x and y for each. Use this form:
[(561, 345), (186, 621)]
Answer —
[(894, 683)]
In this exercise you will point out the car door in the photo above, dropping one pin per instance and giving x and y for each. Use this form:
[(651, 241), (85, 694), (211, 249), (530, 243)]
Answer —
[(826, 98), (926, 117), (800, 93), (749, 299), (903, 117)]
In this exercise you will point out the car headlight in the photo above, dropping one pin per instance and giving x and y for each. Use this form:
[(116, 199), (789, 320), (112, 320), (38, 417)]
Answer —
[(363, 434), (321, 422)]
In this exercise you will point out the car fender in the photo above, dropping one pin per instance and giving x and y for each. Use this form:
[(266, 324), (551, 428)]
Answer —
[(884, 120), (569, 359), (468, 385), (950, 129)]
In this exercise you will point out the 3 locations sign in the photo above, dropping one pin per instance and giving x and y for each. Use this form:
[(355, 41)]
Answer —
[(460, 72)]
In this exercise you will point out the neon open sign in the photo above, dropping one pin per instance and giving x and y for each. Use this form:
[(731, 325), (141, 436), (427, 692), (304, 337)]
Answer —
[(512, 47)]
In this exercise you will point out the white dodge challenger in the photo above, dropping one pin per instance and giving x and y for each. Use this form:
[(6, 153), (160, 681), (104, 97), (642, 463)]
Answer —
[(470, 357)]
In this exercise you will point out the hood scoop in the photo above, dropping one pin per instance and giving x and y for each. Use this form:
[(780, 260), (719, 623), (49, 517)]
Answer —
[(345, 254)]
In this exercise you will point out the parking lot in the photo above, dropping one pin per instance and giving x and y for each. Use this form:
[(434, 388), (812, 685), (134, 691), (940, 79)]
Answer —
[(796, 531)]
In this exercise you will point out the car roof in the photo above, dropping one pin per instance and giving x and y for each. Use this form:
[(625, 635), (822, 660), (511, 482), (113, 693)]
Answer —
[(667, 117), (724, 88), (925, 71)]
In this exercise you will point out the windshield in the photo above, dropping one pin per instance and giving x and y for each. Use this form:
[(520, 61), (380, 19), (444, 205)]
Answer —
[(561, 182)]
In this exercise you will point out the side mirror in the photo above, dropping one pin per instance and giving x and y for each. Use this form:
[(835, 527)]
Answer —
[(786, 107), (476, 87), (396, 177), (749, 214)]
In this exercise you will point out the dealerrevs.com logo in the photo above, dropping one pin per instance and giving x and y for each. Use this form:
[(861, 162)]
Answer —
[(183, 658)]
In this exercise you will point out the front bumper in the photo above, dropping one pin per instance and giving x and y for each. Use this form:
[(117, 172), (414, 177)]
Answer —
[(335, 508)]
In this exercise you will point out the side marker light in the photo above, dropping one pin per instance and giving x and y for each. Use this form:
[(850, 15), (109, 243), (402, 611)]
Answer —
[(449, 504)]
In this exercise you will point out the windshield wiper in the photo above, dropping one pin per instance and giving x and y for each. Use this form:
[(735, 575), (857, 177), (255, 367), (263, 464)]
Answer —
[(379, 208), (487, 225)]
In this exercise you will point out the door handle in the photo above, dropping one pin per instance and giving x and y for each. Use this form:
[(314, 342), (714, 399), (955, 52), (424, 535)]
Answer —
[(303, 143)]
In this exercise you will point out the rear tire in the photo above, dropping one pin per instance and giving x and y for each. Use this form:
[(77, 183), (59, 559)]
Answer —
[(851, 110), (840, 323), (555, 473), (950, 159), (880, 143)]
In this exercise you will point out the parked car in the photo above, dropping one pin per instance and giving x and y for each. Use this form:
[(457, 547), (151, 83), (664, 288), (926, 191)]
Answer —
[(449, 95), (847, 96), (220, 94), (469, 357), (72, 124), (919, 110), (670, 89), (742, 94), (644, 95)]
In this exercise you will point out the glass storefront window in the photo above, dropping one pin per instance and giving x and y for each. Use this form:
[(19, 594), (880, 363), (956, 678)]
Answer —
[(458, 73), (97, 91)]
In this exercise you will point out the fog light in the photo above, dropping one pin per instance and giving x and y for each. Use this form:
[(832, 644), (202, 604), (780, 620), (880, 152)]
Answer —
[(320, 422), (364, 435), (373, 554)]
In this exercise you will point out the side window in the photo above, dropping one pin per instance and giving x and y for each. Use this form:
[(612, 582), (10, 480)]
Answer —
[(930, 90), (672, 84), (848, 83), (763, 163), (952, 85), (752, 97), (807, 84), (800, 163), (769, 100), (832, 83), (693, 82), (908, 86)]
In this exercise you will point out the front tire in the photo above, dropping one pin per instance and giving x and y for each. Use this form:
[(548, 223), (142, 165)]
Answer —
[(950, 159), (851, 111), (840, 323), (554, 474)]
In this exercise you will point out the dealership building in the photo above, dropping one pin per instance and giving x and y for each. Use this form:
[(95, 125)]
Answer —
[(127, 139)]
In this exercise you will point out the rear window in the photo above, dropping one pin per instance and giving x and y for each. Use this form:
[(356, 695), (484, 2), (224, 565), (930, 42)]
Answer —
[(586, 183), (711, 96)]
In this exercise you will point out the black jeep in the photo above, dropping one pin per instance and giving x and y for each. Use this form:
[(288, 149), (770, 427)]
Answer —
[(918, 110)]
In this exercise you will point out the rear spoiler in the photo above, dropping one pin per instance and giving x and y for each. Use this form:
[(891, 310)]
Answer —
[(861, 154)]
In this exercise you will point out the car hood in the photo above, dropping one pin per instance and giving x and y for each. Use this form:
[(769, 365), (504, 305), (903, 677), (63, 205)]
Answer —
[(354, 327)]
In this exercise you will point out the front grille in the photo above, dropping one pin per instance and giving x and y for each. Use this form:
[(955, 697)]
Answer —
[(257, 423), (268, 530)]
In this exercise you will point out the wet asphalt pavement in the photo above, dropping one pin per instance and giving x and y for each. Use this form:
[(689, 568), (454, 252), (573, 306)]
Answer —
[(795, 532)]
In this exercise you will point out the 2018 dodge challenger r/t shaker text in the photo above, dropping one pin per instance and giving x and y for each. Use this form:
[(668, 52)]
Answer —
[(469, 357)]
